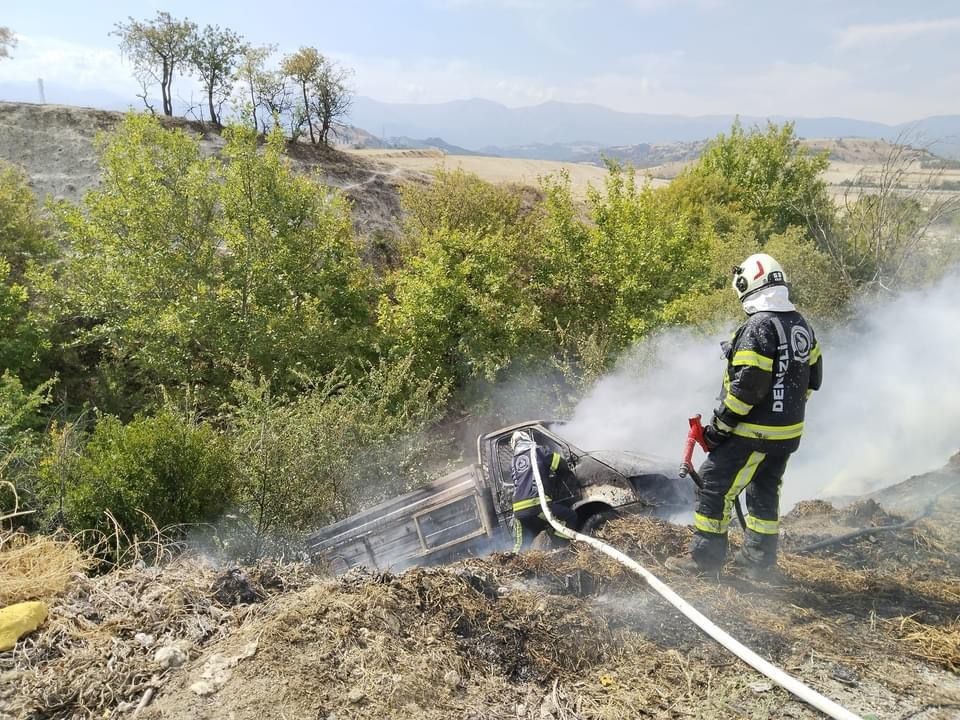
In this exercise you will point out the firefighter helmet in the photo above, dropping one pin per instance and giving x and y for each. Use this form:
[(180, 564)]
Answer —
[(755, 273), (520, 436)]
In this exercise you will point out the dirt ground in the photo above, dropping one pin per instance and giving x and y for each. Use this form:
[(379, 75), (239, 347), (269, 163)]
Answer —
[(568, 635)]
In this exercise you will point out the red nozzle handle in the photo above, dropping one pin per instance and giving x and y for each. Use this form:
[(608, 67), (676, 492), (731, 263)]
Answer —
[(694, 437)]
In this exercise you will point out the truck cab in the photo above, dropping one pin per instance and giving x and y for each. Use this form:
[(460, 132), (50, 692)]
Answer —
[(598, 485)]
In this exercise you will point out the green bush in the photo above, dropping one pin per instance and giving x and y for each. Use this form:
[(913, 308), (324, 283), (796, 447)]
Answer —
[(156, 471)]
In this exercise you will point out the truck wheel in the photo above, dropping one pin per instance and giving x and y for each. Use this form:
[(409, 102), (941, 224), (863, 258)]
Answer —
[(596, 521)]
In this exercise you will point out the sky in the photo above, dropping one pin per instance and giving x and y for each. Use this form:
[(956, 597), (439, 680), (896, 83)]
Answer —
[(872, 60)]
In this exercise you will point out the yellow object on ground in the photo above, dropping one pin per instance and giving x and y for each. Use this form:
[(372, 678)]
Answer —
[(18, 620)]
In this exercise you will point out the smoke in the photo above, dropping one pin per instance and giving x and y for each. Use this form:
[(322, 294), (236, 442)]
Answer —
[(889, 407)]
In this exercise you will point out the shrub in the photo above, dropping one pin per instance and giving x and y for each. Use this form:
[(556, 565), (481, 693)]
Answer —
[(164, 469)]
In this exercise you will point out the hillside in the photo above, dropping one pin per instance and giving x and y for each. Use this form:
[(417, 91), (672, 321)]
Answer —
[(55, 145)]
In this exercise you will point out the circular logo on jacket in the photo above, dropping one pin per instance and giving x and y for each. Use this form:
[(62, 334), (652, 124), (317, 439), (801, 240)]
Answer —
[(800, 341), (522, 463)]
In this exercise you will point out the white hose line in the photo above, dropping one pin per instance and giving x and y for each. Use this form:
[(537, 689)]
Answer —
[(781, 678)]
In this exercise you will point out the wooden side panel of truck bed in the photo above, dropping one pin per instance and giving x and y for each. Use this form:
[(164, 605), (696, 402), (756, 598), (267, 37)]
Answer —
[(435, 519)]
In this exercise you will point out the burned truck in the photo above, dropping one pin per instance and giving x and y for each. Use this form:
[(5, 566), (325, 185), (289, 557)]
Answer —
[(468, 511)]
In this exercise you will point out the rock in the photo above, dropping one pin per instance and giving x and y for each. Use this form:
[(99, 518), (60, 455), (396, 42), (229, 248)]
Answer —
[(170, 656), (203, 688), (218, 669), (356, 695), (144, 639), (452, 678)]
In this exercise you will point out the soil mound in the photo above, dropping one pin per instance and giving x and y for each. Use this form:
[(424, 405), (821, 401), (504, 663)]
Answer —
[(560, 635)]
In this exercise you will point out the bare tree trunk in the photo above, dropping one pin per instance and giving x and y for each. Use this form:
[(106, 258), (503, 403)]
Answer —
[(306, 109), (253, 108), (166, 83), (214, 116)]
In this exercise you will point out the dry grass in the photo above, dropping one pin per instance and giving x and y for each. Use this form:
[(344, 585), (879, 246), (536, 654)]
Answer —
[(37, 568), (939, 644), (34, 568)]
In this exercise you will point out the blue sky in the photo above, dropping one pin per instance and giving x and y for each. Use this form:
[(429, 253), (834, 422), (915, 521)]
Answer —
[(888, 61)]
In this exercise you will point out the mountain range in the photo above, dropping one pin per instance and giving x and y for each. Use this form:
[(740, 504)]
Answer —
[(491, 128), (550, 131)]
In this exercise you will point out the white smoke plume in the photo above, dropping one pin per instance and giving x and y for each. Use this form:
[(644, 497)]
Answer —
[(889, 407)]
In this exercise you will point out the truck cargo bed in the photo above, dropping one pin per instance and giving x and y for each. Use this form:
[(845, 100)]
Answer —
[(425, 524)]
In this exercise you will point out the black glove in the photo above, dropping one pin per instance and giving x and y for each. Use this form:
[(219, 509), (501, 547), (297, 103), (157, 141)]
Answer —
[(713, 436)]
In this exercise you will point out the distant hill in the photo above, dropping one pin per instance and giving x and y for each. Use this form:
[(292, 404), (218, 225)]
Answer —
[(642, 155), (490, 127)]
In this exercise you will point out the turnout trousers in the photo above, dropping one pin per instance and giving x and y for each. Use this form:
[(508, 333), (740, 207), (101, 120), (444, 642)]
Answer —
[(729, 470), (529, 523)]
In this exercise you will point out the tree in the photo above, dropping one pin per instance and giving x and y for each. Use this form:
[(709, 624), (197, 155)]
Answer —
[(768, 174), (333, 99), (157, 48), (293, 296), (215, 54), (26, 248), (305, 67), (277, 97), (249, 69), (462, 304), (8, 41)]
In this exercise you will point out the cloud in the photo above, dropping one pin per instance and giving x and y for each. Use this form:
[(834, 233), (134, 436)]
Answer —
[(84, 68), (433, 80), (860, 35), (59, 61)]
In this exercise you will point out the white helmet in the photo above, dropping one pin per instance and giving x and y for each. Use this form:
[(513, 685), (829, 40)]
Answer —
[(520, 436), (755, 273)]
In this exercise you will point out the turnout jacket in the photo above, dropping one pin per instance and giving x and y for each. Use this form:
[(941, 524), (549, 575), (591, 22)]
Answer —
[(525, 485), (773, 363)]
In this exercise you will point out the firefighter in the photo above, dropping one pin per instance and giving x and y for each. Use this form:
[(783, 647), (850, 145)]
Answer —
[(528, 518), (773, 365)]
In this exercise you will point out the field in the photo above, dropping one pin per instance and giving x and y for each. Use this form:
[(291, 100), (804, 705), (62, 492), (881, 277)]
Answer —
[(493, 169), (847, 159)]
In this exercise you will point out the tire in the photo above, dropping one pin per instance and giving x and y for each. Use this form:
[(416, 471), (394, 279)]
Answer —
[(595, 522)]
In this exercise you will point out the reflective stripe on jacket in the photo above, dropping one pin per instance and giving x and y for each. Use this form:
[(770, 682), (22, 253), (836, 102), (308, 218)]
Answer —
[(772, 363)]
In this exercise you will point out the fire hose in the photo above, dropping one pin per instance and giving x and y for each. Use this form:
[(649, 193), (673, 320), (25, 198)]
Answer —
[(781, 678)]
